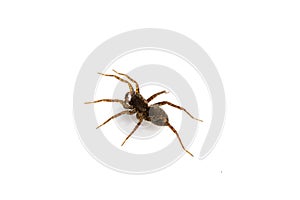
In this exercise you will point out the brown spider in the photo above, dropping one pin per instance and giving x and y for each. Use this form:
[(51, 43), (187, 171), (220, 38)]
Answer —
[(134, 102)]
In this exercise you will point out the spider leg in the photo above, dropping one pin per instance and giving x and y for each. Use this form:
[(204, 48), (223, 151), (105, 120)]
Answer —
[(120, 79), (111, 100), (173, 129), (175, 106), (127, 112), (155, 95), (137, 89), (136, 127)]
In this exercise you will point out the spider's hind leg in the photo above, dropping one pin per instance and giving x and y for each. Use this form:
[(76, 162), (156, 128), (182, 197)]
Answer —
[(176, 133)]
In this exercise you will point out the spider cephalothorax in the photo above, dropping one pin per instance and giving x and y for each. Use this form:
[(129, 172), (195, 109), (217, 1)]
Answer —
[(135, 103)]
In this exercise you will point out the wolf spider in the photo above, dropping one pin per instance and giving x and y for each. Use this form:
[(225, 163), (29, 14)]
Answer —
[(134, 102)]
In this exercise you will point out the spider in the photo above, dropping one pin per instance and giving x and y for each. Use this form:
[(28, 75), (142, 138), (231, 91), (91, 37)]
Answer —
[(135, 103)]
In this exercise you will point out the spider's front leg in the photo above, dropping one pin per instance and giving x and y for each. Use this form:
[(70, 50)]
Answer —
[(120, 79), (111, 100), (137, 88)]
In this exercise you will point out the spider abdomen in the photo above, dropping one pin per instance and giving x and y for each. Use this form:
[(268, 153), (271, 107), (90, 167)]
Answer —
[(157, 116)]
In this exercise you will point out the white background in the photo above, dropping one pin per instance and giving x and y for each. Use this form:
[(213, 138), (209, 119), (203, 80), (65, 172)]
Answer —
[(255, 46)]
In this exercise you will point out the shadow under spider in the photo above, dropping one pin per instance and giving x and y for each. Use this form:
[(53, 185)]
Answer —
[(135, 103)]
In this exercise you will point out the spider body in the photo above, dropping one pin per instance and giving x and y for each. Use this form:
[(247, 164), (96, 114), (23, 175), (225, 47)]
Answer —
[(158, 116), (138, 102), (152, 113), (135, 103)]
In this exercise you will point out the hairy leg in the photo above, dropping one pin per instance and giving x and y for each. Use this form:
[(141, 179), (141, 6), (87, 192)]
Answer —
[(136, 127), (127, 112), (175, 106), (137, 88), (155, 95), (173, 129), (120, 79), (111, 100)]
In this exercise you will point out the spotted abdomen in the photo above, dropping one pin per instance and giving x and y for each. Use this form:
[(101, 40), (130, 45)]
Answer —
[(157, 116)]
